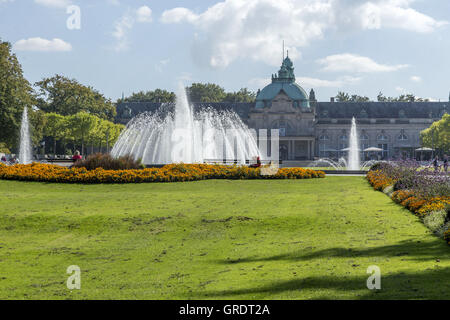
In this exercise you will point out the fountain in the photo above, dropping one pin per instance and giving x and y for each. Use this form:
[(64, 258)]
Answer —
[(25, 140), (353, 161), (182, 135), (353, 152)]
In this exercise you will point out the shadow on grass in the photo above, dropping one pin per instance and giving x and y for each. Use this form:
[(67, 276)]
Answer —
[(413, 250), (430, 284)]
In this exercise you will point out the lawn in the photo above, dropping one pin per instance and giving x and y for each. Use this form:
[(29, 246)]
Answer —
[(217, 239)]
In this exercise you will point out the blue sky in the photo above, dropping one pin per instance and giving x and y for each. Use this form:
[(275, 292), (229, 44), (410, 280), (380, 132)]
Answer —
[(358, 46)]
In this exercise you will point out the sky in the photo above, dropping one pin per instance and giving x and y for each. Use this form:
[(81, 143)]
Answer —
[(125, 46)]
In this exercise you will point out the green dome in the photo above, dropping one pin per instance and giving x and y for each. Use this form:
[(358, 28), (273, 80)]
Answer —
[(284, 81)]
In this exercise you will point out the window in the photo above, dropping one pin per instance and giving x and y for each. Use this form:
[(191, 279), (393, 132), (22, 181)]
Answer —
[(322, 148), (343, 137), (324, 137), (364, 137), (385, 152), (283, 127), (402, 136), (382, 137)]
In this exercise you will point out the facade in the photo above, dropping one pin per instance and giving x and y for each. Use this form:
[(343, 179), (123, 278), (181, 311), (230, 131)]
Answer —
[(310, 129)]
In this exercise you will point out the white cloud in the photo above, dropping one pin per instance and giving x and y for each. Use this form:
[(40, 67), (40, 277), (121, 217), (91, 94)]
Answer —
[(54, 3), (161, 64), (416, 79), (234, 29), (347, 62), (320, 83), (396, 14), (121, 29), (144, 14), (126, 23), (40, 44)]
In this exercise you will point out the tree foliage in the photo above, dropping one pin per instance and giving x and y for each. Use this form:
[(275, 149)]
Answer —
[(81, 129), (157, 95), (345, 97), (210, 92), (438, 134), (15, 95), (243, 95), (402, 98), (66, 96)]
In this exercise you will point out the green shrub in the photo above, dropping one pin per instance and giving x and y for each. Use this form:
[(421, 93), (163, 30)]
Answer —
[(107, 162), (4, 148), (435, 220)]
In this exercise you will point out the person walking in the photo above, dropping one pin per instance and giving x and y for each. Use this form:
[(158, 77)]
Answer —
[(436, 164)]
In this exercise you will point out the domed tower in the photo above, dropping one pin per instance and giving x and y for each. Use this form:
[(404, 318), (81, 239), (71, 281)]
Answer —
[(285, 106), (284, 82)]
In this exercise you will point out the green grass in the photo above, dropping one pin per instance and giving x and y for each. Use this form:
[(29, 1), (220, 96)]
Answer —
[(281, 239)]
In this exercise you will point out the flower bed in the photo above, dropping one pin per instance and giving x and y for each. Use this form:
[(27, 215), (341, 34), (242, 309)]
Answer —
[(168, 173), (425, 193)]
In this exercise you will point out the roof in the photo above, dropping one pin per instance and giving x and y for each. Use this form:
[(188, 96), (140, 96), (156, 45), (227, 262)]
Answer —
[(283, 82), (293, 90), (132, 109), (361, 110)]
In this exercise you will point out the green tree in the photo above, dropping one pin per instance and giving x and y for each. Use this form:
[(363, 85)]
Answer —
[(402, 98), (15, 94), (56, 127), (38, 122), (66, 96), (209, 92), (437, 136), (80, 127), (243, 95), (342, 97), (345, 97), (111, 133), (158, 95)]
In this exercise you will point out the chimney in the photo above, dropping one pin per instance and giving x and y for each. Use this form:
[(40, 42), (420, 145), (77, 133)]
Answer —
[(332, 99)]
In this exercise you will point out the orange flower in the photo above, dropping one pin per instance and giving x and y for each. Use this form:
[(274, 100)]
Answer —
[(168, 173)]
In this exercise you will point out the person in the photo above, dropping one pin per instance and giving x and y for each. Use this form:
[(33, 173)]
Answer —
[(77, 156), (445, 163), (3, 159), (436, 163), (257, 164)]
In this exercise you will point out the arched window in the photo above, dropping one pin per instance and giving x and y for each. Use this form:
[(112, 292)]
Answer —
[(364, 136), (363, 114), (343, 137), (402, 136), (324, 137), (382, 137), (283, 126)]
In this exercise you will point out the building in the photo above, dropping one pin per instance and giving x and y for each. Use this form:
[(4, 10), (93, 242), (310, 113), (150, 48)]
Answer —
[(310, 129)]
